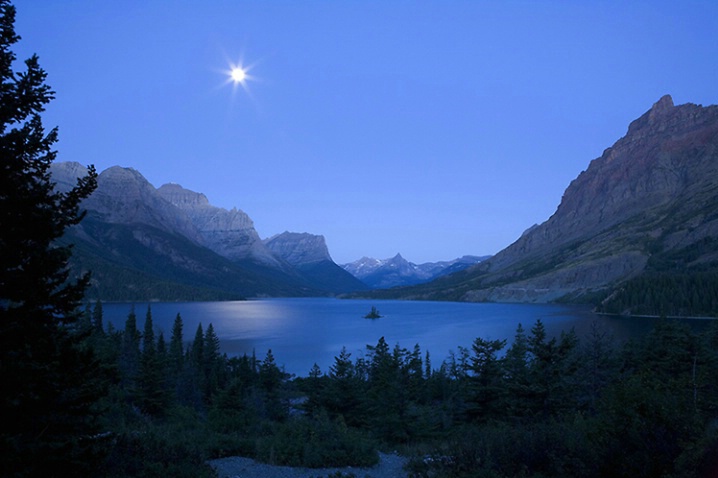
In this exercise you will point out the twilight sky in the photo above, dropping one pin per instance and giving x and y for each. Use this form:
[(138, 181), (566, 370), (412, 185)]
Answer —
[(431, 128)]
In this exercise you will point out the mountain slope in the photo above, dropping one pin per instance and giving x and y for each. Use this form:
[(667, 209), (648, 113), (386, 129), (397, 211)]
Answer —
[(142, 243), (309, 255), (230, 234), (141, 262), (651, 196)]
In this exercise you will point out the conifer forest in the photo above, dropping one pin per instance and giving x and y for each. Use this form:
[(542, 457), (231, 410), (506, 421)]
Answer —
[(542, 406)]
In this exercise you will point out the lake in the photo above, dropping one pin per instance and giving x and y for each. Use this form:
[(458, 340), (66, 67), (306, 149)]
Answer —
[(303, 331)]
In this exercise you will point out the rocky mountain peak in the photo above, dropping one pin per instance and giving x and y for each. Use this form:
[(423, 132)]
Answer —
[(661, 172), (206, 218), (230, 234), (664, 104), (644, 169), (119, 176), (398, 262), (664, 118), (124, 196), (125, 185), (182, 197), (65, 174), (299, 248)]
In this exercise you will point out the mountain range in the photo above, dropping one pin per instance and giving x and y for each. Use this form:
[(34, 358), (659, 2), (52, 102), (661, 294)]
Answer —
[(638, 226), (170, 243), (635, 233), (397, 271)]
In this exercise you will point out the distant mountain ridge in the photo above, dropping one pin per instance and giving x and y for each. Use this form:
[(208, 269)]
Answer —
[(170, 243), (299, 248), (308, 254), (397, 271), (647, 206)]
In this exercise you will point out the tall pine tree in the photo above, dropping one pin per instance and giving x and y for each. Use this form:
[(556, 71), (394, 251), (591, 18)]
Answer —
[(153, 394), (49, 384)]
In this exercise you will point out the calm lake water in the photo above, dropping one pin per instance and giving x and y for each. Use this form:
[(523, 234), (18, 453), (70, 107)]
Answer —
[(303, 331)]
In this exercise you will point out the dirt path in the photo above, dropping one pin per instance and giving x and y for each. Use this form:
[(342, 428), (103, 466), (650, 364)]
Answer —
[(390, 466)]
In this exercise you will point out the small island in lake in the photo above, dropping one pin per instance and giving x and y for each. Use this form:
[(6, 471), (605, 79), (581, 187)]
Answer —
[(373, 314)]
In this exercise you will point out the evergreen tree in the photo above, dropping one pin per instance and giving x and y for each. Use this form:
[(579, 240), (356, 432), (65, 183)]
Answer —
[(541, 367), (197, 349), (148, 335), (486, 387), (97, 318), (517, 375), (553, 370), (427, 366), (212, 362), (48, 383), (130, 352), (176, 351), (191, 388), (316, 389), (599, 364), (162, 349), (315, 371), (84, 322), (153, 396), (270, 383), (653, 414), (415, 372), (387, 393), (343, 397)]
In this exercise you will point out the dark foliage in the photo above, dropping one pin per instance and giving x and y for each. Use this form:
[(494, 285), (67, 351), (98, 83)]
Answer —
[(50, 379), (676, 283), (671, 294), (545, 406)]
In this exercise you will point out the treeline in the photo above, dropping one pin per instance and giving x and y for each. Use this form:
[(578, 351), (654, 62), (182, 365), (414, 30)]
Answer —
[(673, 294), (676, 283), (544, 406), (174, 403)]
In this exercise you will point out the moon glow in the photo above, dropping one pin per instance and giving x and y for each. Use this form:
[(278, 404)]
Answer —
[(238, 75)]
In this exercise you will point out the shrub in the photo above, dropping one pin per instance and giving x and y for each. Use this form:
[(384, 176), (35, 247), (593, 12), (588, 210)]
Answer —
[(317, 443)]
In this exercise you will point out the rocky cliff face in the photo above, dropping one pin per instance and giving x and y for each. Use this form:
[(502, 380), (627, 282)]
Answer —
[(124, 196), (65, 174), (230, 234), (171, 243), (299, 248), (309, 255), (652, 192)]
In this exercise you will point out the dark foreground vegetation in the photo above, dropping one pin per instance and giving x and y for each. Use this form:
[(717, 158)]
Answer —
[(541, 407)]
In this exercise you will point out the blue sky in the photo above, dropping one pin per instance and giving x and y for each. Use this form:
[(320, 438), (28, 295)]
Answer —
[(431, 128)]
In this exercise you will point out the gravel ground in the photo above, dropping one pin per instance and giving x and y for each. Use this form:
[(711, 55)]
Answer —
[(390, 466)]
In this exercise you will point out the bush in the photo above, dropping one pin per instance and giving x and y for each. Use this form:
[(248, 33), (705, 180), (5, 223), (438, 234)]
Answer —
[(174, 446), (317, 443), (501, 450), (153, 453)]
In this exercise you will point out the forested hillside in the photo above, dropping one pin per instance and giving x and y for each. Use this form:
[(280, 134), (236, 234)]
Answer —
[(675, 284)]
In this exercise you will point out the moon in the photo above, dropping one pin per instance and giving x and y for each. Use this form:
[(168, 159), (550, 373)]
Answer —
[(238, 74)]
